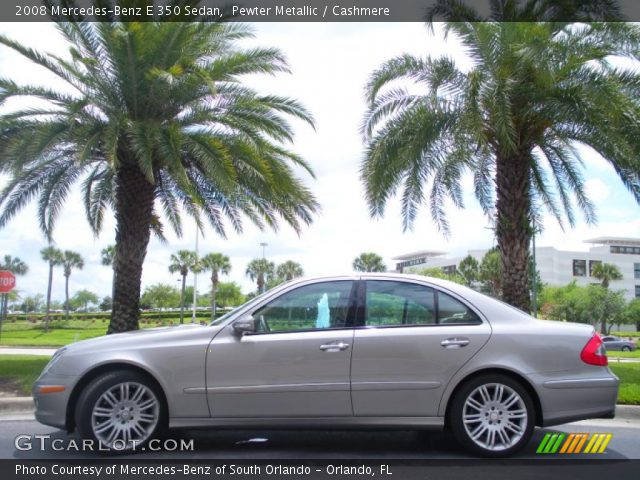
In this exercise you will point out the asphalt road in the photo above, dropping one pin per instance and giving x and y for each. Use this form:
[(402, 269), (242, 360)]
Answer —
[(373, 445)]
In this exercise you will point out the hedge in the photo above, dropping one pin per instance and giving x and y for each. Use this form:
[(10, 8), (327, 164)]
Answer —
[(54, 317)]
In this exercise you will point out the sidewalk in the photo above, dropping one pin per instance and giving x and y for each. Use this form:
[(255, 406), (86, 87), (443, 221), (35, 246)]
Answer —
[(48, 351)]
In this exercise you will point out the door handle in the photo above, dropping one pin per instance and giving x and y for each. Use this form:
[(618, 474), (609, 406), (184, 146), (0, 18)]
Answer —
[(334, 347), (455, 342)]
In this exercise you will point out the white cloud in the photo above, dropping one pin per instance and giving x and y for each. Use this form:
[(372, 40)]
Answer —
[(597, 190)]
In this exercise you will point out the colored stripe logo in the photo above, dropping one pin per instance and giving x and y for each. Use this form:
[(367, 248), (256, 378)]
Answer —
[(574, 443)]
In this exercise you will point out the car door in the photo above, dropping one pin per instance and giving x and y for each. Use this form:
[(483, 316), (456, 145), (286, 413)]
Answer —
[(411, 341), (297, 362)]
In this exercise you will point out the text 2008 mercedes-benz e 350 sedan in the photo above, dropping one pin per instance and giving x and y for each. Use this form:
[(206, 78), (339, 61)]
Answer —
[(361, 351)]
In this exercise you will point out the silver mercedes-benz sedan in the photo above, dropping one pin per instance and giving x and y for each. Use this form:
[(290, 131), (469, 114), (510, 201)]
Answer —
[(359, 351)]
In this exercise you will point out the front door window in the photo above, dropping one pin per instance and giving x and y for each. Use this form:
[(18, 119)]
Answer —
[(312, 307)]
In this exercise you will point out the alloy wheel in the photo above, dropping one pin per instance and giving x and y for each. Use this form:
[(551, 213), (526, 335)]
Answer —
[(494, 416), (125, 415)]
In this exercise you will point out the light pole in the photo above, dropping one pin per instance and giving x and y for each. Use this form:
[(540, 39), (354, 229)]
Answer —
[(195, 279), (534, 275), (263, 245)]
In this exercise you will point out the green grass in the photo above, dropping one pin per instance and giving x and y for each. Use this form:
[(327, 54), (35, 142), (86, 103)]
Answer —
[(23, 369), (629, 374), (634, 354), (626, 334), (61, 333), (52, 338)]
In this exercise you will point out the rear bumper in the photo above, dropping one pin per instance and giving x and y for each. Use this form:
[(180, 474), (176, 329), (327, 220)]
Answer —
[(571, 400), (568, 417)]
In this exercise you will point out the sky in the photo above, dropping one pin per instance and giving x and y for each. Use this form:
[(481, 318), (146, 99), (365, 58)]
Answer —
[(330, 64)]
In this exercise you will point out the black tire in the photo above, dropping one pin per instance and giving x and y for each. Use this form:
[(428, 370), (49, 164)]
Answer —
[(625, 349), (101, 384), (463, 436)]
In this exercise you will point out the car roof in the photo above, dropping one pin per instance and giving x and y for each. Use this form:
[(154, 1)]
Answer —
[(381, 275)]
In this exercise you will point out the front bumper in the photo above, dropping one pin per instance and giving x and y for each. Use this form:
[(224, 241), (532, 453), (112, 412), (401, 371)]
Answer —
[(51, 408)]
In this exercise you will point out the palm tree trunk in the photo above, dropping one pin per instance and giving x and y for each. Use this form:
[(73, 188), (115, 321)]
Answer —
[(66, 296), (513, 229), (133, 212), (260, 284), (46, 318), (184, 281)]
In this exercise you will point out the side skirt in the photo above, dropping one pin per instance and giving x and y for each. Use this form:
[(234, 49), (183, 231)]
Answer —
[(320, 423)]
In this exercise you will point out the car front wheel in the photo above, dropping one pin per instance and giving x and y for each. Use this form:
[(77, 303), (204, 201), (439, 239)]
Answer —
[(626, 349), (492, 416), (121, 411)]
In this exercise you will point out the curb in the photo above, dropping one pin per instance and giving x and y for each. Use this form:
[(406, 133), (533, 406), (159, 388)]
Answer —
[(10, 405), (627, 412), (618, 360)]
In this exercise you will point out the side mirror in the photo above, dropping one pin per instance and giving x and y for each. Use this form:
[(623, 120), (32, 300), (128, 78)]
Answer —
[(244, 325)]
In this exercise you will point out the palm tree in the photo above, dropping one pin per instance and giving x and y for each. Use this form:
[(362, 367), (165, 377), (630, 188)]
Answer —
[(217, 263), (155, 122), (53, 256), (70, 260), (107, 255), (260, 270), (532, 92), (289, 270), (606, 273), (183, 262), (17, 267), (369, 262)]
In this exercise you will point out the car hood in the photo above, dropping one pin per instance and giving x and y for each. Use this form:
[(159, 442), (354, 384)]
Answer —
[(142, 338)]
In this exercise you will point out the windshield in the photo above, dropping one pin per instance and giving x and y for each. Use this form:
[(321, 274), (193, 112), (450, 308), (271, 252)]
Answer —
[(224, 317)]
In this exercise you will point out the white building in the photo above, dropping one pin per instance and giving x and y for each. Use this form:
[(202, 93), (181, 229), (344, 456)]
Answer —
[(556, 267)]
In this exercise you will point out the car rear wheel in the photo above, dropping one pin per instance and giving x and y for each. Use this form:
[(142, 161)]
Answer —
[(626, 348), (492, 416), (121, 411)]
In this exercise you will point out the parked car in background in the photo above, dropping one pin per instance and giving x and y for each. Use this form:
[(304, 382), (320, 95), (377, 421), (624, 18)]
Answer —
[(616, 343), (367, 350)]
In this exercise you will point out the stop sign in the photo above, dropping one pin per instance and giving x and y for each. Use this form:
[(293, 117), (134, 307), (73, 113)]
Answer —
[(7, 281)]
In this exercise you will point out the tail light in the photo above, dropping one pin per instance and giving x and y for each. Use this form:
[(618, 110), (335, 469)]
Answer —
[(594, 352)]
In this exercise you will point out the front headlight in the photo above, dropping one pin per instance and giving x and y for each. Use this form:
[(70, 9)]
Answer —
[(54, 360)]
